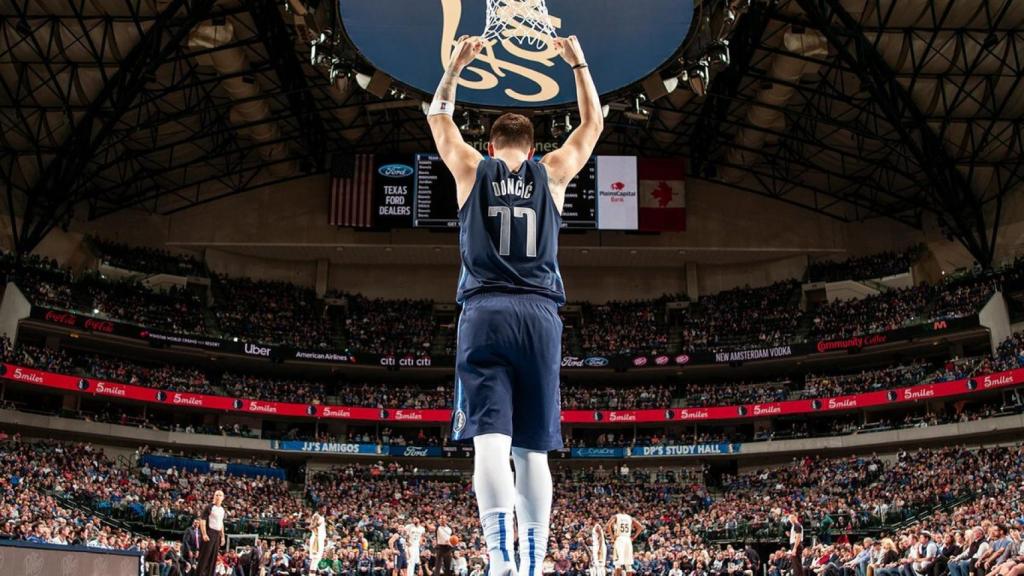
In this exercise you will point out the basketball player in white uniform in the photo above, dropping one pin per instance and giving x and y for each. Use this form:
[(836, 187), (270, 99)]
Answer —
[(624, 529), (598, 551), (317, 539), (413, 538)]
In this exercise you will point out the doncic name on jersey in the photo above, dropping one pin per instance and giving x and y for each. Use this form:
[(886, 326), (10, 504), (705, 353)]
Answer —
[(513, 187)]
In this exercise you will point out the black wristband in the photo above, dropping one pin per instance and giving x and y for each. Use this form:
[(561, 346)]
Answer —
[(579, 66)]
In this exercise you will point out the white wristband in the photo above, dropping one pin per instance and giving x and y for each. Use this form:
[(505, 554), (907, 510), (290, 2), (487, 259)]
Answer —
[(438, 106)]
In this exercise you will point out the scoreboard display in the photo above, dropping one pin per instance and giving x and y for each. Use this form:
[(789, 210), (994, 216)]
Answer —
[(436, 205)]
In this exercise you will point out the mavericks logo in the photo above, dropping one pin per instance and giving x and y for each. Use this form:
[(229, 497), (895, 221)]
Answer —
[(622, 46), (459, 422)]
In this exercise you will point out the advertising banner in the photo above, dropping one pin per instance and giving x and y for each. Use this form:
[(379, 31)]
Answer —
[(698, 358), (130, 392), (393, 180), (598, 453), (616, 193), (327, 447), (416, 451), (692, 450)]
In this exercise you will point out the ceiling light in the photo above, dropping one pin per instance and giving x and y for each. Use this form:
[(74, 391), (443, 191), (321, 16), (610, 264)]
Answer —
[(718, 54), (638, 112), (561, 126), (363, 80), (698, 76), (472, 125)]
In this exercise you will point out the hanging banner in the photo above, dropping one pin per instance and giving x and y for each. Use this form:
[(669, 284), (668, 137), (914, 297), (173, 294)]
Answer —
[(724, 448), (327, 447), (95, 387), (616, 193)]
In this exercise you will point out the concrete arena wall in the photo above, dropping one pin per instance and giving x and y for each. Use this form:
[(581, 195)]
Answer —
[(735, 239)]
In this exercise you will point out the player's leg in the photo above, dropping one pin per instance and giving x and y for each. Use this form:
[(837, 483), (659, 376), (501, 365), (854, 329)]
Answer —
[(533, 508), (483, 412), (536, 423), (629, 557)]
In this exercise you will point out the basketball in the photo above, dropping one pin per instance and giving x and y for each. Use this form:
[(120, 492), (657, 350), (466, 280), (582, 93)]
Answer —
[(454, 541)]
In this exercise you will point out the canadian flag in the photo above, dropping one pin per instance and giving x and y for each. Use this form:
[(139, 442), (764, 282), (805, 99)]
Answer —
[(662, 190)]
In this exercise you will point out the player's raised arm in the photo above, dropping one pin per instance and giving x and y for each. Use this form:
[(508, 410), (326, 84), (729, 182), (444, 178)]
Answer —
[(566, 162), (460, 158)]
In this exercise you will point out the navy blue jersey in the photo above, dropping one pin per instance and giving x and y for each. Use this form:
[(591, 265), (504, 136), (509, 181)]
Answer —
[(508, 235)]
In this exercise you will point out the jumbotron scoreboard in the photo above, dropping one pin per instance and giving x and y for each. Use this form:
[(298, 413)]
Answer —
[(435, 204), (610, 193)]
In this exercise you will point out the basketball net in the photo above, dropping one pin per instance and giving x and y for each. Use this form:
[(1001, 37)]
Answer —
[(525, 20)]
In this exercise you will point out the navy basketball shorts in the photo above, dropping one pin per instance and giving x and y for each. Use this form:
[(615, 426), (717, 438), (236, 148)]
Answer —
[(507, 370)]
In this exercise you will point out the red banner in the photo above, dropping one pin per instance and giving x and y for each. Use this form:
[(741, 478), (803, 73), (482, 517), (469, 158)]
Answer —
[(791, 407)]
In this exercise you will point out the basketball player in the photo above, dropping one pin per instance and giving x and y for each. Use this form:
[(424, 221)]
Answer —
[(398, 545), (598, 551), (796, 541), (509, 333), (317, 539), (413, 537), (624, 529)]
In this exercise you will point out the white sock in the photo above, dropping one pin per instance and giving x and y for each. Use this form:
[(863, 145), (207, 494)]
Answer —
[(533, 508), (495, 497)]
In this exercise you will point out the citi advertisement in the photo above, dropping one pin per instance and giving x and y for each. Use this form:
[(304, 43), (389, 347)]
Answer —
[(129, 392)]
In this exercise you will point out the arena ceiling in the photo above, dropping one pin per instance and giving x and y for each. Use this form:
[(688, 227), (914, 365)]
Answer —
[(906, 109)]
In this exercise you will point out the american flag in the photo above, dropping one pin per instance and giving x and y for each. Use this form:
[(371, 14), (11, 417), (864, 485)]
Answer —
[(352, 198)]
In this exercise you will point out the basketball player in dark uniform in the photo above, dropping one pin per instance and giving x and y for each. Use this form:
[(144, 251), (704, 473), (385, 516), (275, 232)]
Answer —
[(509, 336)]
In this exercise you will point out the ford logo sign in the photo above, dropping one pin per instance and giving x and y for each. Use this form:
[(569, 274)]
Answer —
[(395, 171), (596, 362)]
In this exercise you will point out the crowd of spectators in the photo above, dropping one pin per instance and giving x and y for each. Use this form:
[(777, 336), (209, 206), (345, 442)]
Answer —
[(743, 318), (146, 260), (895, 309), (684, 521), (47, 284), (728, 394), (283, 313), (882, 312), (590, 397), (388, 327), (632, 328), (271, 312), (34, 476), (866, 380), (878, 265)]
